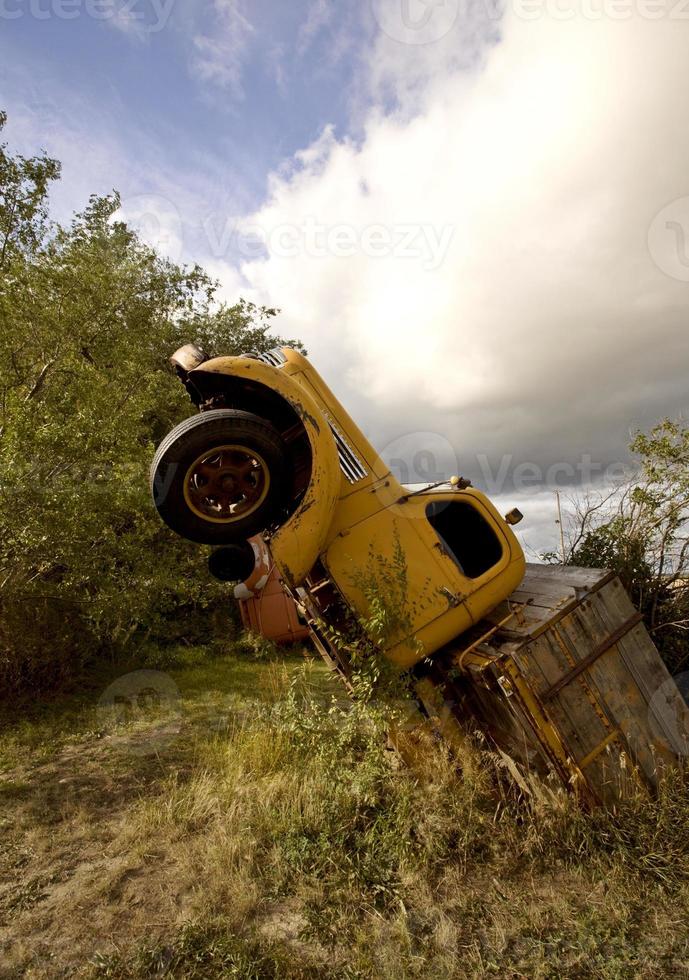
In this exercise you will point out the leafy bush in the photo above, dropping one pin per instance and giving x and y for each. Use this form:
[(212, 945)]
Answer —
[(88, 319), (640, 530)]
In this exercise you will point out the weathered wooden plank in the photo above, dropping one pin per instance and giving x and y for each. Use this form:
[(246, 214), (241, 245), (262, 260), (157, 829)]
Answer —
[(546, 593), (586, 662), (610, 680), (526, 620), (548, 587), (580, 728), (551, 601), (583, 727), (667, 712), (570, 575)]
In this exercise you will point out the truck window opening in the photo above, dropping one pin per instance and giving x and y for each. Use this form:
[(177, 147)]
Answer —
[(466, 536)]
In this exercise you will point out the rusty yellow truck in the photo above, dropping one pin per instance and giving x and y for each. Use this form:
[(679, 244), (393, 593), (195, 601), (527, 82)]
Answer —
[(551, 665)]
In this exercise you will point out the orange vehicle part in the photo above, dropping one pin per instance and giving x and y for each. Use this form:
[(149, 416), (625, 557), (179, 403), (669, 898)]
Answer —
[(264, 605), (273, 614)]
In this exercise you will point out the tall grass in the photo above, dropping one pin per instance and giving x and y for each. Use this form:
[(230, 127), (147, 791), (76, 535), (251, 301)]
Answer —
[(307, 848)]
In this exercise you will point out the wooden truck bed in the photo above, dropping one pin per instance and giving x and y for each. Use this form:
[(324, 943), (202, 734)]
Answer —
[(565, 679)]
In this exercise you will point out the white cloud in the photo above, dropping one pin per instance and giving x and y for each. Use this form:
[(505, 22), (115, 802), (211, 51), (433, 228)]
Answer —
[(232, 285), (319, 15), (418, 41), (548, 331), (126, 19), (220, 56)]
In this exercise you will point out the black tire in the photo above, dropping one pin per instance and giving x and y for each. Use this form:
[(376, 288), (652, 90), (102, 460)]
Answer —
[(197, 437), (232, 562)]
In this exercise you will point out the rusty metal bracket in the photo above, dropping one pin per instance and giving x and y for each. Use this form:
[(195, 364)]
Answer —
[(588, 759), (513, 613), (592, 657)]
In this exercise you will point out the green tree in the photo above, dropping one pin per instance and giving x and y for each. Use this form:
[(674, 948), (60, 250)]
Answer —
[(88, 318), (617, 545), (641, 531), (23, 203)]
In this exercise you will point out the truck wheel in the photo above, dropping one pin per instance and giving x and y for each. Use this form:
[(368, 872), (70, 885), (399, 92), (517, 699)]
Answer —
[(219, 477)]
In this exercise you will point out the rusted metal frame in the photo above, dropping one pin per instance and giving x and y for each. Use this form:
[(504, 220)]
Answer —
[(625, 752), (545, 733), (328, 654), (438, 711), (592, 657), (459, 658), (594, 753)]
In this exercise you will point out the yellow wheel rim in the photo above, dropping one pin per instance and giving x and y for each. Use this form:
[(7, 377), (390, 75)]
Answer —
[(225, 484)]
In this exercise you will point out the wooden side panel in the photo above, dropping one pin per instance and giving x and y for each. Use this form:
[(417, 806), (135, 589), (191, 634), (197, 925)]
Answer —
[(623, 710), (666, 716), (573, 714), (614, 722), (590, 694), (500, 721)]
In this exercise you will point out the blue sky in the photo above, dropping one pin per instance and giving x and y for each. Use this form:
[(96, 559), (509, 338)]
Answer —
[(224, 92), (261, 90), (475, 213)]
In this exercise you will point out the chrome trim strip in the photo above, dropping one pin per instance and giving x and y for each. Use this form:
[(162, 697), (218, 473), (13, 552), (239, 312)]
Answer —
[(350, 464)]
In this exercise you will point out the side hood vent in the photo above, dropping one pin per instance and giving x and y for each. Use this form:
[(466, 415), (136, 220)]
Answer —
[(350, 464)]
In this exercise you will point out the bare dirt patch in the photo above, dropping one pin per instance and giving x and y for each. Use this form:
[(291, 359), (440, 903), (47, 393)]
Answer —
[(67, 883)]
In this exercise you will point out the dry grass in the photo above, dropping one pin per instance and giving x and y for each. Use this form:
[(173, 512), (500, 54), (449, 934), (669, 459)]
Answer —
[(277, 836)]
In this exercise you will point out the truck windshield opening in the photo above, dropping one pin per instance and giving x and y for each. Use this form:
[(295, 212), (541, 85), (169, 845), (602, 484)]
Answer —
[(466, 536)]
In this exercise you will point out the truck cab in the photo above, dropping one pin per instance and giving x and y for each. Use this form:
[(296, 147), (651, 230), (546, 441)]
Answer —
[(272, 452)]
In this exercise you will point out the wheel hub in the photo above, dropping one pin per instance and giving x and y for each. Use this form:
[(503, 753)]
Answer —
[(226, 484)]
